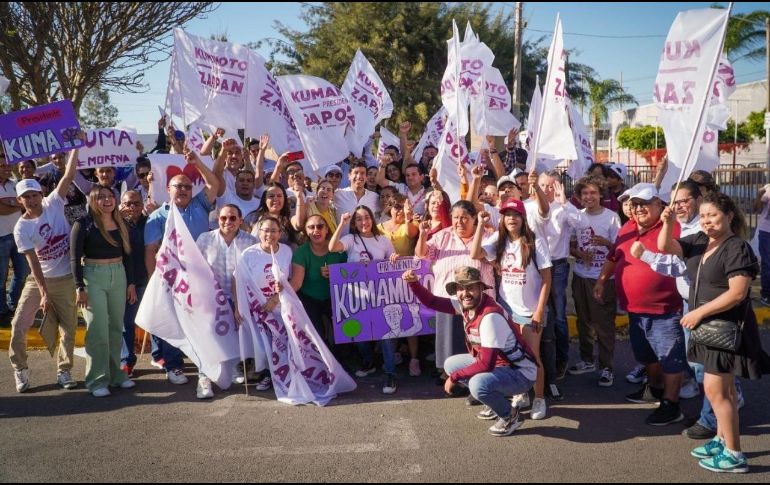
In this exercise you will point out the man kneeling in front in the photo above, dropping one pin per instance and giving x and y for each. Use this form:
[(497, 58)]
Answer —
[(498, 363)]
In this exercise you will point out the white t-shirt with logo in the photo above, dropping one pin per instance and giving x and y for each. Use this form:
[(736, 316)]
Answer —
[(519, 287), (365, 249), (260, 261), (605, 224), (49, 236), (246, 206)]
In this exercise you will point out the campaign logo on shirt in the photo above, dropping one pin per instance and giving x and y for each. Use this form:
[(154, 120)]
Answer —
[(511, 274), (364, 257), (585, 241)]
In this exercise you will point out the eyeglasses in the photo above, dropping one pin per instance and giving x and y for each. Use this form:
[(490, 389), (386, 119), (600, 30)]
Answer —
[(335, 175), (182, 186), (642, 204), (682, 201), (313, 227), (142, 175), (228, 218)]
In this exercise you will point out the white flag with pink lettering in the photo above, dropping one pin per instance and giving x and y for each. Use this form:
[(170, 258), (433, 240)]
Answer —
[(585, 153), (368, 98), (684, 85), (323, 117), (432, 134), (185, 306), (491, 109), (387, 139), (451, 152)]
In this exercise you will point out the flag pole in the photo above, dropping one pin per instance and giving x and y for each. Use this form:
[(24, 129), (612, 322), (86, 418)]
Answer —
[(456, 46), (551, 55), (706, 100)]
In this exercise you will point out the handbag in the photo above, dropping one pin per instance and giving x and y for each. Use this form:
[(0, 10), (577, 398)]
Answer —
[(717, 333)]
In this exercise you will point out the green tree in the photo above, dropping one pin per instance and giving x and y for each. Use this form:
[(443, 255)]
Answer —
[(640, 138), (755, 124), (729, 134), (406, 44), (602, 95), (745, 36), (96, 110)]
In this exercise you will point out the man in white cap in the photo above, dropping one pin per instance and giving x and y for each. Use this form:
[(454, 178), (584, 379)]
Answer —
[(413, 189), (42, 234), (333, 173), (616, 185), (654, 307)]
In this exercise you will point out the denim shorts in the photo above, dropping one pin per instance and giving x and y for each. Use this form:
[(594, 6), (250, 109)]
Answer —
[(519, 319), (658, 338)]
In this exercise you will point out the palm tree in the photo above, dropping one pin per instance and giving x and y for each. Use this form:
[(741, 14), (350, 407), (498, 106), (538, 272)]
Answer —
[(602, 95), (745, 36)]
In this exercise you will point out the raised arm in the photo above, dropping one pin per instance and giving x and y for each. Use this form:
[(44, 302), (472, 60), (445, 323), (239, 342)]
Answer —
[(212, 184), (382, 165), (478, 252), (406, 154), (259, 163), (208, 145), (666, 242), (494, 158), (69, 172), (437, 303), (335, 245)]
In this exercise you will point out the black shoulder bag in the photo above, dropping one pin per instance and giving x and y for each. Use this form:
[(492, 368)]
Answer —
[(717, 333)]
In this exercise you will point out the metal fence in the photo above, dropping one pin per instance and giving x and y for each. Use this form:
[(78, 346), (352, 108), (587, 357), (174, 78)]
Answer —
[(741, 183)]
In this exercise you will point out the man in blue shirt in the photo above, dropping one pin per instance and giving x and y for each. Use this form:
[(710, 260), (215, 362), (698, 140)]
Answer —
[(195, 212)]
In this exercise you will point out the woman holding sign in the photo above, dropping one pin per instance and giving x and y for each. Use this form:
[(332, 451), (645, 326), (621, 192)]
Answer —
[(366, 243)]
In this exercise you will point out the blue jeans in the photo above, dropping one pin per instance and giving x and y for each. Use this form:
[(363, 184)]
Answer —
[(127, 353), (557, 305), (707, 419), (9, 253), (173, 357), (491, 388), (388, 347), (764, 253)]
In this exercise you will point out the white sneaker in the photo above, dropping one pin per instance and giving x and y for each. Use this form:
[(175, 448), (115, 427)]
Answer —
[(538, 409), (238, 377), (689, 389), (127, 384), (176, 376), (204, 388), (101, 392), (65, 380), (22, 379), (520, 401)]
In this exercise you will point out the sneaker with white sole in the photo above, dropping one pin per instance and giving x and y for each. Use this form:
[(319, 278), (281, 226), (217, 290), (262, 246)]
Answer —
[(520, 401), (127, 384), (486, 414), (176, 376), (552, 391), (101, 392), (365, 371), (238, 377), (539, 409), (607, 378), (726, 462), (390, 386), (203, 391), (22, 379), (264, 384), (637, 375), (506, 426), (65, 380), (582, 367), (158, 364), (712, 447), (689, 389)]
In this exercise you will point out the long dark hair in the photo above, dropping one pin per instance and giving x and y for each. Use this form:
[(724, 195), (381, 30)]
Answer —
[(284, 217), (726, 205), (354, 230), (527, 241)]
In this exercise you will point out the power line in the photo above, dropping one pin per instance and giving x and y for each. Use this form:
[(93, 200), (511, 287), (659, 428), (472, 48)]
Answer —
[(652, 36)]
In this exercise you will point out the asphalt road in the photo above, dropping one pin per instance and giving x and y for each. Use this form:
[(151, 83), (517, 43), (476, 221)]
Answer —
[(160, 432)]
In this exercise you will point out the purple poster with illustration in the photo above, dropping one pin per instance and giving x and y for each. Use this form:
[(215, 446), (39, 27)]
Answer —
[(370, 301), (39, 131)]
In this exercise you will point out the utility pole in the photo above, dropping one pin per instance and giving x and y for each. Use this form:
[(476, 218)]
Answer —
[(517, 44)]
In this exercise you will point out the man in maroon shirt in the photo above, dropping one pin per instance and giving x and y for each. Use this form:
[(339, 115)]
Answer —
[(654, 307)]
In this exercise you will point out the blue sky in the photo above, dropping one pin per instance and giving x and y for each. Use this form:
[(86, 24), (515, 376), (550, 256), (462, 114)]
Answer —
[(615, 39)]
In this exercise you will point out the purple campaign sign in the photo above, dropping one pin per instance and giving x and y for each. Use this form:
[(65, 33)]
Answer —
[(370, 301), (39, 131)]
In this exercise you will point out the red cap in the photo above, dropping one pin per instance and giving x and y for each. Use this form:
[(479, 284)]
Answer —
[(515, 205)]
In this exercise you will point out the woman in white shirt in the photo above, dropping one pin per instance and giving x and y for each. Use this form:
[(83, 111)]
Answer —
[(525, 268)]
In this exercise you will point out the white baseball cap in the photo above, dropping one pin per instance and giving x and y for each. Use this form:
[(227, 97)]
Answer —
[(643, 191), (331, 168), (27, 185), (618, 169)]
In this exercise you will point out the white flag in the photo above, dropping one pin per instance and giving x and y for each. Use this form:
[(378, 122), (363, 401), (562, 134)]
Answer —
[(174, 103), (491, 111), (533, 118), (585, 153), (554, 138), (185, 306), (685, 83), (4, 83), (167, 166), (432, 134), (451, 151), (212, 79), (267, 110), (368, 98), (322, 115), (386, 139), (718, 114), (453, 97), (302, 367)]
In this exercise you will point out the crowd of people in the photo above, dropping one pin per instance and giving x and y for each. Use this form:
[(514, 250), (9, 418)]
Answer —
[(500, 256)]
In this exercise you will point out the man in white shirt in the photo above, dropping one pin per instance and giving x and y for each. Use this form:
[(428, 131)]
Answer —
[(346, 200), (10, 211), (413, 189), (42, 234)]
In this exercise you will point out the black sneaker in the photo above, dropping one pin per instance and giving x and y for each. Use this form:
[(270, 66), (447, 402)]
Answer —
[(472, 401), (645, 395), (699, 432), (668, 412), (390, 384), (561, 371), (553, 392)]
